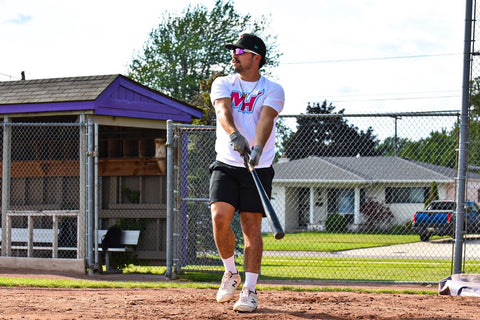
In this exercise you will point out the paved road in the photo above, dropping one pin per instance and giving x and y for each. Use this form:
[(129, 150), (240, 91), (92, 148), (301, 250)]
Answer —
[(419, 250)]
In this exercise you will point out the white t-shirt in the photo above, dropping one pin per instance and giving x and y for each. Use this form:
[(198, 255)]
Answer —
[(248, 99)]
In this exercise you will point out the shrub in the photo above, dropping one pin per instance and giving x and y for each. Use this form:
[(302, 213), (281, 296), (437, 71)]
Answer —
[(405, 228), (377, 215), (336, 223), (432, 194)]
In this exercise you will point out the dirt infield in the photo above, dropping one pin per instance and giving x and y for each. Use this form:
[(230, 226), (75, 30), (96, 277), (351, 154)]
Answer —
[(41, 303)]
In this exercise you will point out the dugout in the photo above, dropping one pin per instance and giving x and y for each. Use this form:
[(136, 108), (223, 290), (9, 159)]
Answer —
[(44, 153)]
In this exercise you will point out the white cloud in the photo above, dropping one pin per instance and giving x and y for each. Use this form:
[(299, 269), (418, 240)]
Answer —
[(20, 19)]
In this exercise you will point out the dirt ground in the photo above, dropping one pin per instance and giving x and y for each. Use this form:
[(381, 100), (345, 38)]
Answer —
[(41, 303)]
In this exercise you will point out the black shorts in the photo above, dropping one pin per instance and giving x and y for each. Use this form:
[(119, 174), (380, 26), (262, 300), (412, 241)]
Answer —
[(235, 186)]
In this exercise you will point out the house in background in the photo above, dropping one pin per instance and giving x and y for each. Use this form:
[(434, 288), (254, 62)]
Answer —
[(306, 191), (472, 190), (131, 120)]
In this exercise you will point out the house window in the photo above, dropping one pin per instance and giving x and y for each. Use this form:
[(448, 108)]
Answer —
[(406, 195), (346, 201), (341, 201)]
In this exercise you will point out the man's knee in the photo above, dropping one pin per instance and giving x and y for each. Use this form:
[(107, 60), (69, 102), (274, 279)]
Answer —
[(222, 214), (251, 223)]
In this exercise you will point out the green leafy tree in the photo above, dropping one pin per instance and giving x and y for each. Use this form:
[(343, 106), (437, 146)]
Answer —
[(387, 147), (282, 136), (189, 47), (474, 125), (209, 116), (438, 148), (475, 97), (329, 136)]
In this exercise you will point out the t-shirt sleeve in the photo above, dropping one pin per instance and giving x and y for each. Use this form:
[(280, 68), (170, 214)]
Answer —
[(276, 98), (220, 89)]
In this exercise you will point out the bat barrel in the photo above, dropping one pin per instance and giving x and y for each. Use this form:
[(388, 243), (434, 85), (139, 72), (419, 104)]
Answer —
[(267, 206)]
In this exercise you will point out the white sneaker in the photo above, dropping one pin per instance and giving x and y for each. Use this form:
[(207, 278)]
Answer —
[(248, 301), (230, 282)]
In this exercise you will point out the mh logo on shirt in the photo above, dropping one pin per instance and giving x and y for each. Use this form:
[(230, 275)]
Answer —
[(245, 104)]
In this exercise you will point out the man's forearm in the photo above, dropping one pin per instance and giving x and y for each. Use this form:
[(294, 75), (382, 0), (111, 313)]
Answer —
[(224, 117), (265, 126)]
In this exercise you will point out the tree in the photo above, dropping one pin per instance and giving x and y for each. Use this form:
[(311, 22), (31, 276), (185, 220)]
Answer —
[(328, 134), (185, 49), (475, 97), (438, 148), (282, 135), (387, 147), (209, 117), (474, 125)]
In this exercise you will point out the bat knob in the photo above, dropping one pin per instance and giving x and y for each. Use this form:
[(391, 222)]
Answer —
[(279, 235)]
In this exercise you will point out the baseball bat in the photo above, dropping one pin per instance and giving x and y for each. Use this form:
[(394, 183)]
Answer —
[(272, 217)]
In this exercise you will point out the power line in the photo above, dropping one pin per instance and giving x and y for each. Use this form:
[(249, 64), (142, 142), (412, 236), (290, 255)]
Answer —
[(397, 98), (6, 75), (398, 93), (412, 95), (373, 58)]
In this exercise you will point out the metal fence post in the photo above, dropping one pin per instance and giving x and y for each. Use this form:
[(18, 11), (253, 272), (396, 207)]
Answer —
[(81, 223), (5, 183), (463, 148), (170, 217), (90, 195), (96, 199)]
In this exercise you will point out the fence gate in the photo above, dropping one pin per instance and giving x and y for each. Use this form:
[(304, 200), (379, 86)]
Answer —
[(194, 247)]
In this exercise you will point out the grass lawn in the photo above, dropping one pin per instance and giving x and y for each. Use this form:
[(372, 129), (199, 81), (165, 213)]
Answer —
[(303, 267), (331, 242), (294, 267)]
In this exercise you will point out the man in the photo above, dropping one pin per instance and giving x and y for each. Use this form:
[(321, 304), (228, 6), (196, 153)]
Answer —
[(246, 105)]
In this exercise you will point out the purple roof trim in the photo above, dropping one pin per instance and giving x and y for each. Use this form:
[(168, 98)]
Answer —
[(47, 107), (113, 95)]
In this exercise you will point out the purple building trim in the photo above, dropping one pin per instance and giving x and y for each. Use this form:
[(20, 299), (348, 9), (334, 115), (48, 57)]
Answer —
[(111, 95), (47, 107)]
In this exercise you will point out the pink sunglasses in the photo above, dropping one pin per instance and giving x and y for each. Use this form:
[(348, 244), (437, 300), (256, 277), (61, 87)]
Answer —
[(239, 51)]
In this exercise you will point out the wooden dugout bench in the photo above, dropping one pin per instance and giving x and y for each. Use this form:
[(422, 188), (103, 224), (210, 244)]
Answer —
[(41, 239)]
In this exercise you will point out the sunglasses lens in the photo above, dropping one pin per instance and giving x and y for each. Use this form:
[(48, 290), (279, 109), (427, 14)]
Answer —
[(238, 51)]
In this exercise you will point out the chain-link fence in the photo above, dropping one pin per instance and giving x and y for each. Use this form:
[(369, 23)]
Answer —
[(346, 190), (64, 184), (41, 183), (132, 189)]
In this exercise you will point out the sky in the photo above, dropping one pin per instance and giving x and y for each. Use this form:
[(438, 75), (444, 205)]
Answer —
[(364, 56)]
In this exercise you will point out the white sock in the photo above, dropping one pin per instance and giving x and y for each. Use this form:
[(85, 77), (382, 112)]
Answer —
[(251, 280), (229, 264)]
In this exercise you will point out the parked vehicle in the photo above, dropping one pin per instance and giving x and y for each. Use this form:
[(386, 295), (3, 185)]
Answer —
[(439, 219)]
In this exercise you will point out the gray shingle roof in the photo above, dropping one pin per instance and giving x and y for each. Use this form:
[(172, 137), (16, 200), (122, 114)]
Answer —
[(313, 169), (86, 88), (387, 168), (357, 169), (450, 172)]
